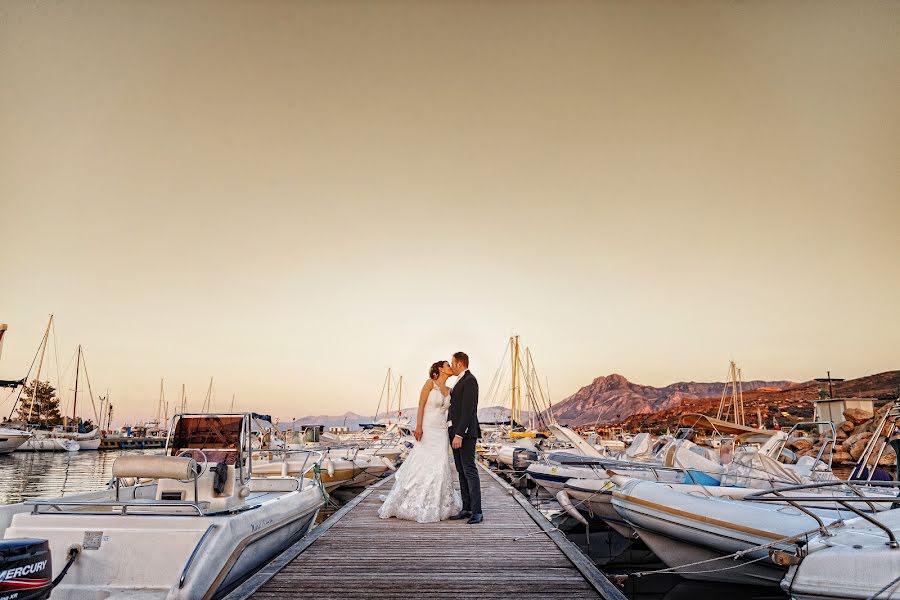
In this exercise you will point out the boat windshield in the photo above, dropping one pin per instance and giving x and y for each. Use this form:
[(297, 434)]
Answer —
[(206, 432)]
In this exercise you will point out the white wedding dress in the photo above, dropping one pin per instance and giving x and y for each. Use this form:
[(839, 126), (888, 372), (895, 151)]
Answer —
[(423, 485)]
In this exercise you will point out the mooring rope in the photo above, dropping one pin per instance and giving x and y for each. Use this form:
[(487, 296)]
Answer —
[(733, 555)]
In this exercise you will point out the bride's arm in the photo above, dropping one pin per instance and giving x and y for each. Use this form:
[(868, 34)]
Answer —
[(420, 414)]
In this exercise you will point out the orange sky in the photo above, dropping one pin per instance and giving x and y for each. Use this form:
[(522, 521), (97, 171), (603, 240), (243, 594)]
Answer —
[(293, 196)]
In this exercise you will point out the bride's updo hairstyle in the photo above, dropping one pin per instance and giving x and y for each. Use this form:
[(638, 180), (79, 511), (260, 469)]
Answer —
[(435, 369)]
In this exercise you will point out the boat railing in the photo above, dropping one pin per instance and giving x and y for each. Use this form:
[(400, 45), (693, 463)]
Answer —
[(690, 473), (69, 506), (830, 424), (306, 469), (777, 495), (893, 413)]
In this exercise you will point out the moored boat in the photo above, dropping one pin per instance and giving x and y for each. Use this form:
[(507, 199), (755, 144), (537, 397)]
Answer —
[(856, 561), (684, 526), (11, 439), (187, 525)]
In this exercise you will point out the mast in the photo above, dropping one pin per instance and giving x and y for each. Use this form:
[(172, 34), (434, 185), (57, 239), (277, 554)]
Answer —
[(37, 377), (515, 409), (207, 404), (232, 404), (389, 378), (183, 399), (77, 375), (159, 405)]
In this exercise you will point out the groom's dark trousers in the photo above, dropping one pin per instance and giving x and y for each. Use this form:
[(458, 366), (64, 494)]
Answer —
[(469, 484)]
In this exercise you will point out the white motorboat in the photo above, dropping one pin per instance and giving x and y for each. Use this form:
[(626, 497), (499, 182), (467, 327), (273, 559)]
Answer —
[(684, 527), (338, 467), (11, 439), (583, 461), (856, 561), (188, 525)]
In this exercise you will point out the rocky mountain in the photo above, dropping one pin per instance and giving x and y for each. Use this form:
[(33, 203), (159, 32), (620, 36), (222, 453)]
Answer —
[(787, 405), (613, 398)]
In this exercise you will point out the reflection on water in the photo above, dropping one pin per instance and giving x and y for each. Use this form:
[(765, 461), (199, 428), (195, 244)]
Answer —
[(673, 587), (28, 475)]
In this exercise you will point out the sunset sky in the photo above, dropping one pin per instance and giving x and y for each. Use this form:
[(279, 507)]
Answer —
[(291, 197)]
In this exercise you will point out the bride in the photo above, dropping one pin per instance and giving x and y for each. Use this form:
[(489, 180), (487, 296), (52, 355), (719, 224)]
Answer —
[(423, 488)]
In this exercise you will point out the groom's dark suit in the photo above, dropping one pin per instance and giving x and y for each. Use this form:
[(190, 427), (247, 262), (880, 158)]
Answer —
[(464, 423)]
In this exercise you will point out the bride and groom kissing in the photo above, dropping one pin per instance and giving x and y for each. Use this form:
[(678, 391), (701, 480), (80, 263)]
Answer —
[(423, 487)]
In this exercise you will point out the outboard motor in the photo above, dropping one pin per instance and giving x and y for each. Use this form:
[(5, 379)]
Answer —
[(25, 569), (522, 457)]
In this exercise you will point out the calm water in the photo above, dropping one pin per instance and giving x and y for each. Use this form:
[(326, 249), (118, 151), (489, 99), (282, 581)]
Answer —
[(27, 475)]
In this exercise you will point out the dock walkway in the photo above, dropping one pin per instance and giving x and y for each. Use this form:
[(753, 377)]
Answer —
[(514, 553)]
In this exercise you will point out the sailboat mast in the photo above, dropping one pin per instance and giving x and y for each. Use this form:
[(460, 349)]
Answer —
[(514, 391), (232, 403), (183, 399), (77, 376), (389, 378), (37, 377), (207, 403), (159, 404), (399, 398)]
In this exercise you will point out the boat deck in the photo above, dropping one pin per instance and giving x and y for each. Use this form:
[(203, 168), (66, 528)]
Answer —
[(514, 553)]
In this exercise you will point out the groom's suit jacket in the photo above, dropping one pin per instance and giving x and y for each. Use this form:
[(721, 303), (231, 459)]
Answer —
[(464, 408)]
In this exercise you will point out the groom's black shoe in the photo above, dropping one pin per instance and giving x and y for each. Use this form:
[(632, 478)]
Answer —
[(463, 514), (475, 519)]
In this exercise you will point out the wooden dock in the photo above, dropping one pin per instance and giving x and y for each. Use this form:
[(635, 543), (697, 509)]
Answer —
[(514, 553)]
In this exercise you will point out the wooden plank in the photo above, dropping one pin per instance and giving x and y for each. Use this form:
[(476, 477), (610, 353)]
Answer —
[(356, 554), (255, 581), (585, 565)]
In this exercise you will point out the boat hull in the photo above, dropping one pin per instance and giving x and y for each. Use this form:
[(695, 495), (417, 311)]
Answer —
[(49, 444), (12, 439), (682, 528), (595, 498)]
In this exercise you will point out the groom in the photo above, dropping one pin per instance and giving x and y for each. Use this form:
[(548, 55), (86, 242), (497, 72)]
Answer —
[(464, 432)]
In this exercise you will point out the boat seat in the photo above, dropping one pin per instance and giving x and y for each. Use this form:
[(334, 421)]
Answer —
[(233, 492), (155, 467)]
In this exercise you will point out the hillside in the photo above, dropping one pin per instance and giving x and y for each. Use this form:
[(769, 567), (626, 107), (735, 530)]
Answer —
[(795, 401), (612, 398)]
